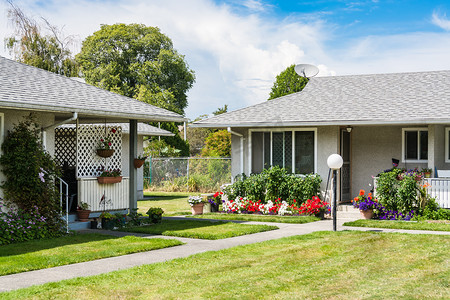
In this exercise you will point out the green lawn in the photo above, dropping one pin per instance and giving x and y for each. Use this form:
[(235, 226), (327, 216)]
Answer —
[(322, 265), (42, 254), (422, 225), (200, 229), (174, 203), (259, 218)]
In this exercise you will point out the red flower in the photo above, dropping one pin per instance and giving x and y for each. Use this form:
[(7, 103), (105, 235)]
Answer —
[(113, 130)]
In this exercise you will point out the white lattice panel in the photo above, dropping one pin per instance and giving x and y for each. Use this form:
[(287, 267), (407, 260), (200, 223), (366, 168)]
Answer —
[(66, 146), (88, 138)]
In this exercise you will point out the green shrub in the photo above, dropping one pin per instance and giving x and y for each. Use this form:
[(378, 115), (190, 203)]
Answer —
[(30, 173), (275, 183), (432, 211)]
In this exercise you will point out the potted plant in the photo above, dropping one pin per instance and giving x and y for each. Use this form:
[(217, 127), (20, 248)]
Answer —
[(155, 214), (108, 220), (104, 146), (109, 176), (139, 161), (196, 203), (215, 201), (83, 212), (426, 172), (365, 204)]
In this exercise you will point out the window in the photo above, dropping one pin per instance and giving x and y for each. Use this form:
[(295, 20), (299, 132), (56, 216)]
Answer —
[(415, 145), (290, 149), (447, 145)]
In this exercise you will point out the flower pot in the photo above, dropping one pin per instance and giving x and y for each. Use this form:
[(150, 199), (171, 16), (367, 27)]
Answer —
[(138, 163), (94, 224), (105, 152), (83, 215), (320, 214), (197, 209), (366, 214), (427, 174), (214, 207), (207, 208), (109, 180), (107, 224)]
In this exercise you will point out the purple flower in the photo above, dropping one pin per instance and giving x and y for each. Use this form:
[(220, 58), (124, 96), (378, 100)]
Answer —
[(41, 176)]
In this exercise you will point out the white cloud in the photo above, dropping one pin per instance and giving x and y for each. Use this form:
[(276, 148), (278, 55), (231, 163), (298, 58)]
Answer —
[(441, 21)]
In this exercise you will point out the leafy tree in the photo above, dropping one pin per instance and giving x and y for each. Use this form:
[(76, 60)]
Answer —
[(159, 148), (287, 82), (218, 144), (31, 46), (139, 62), (221, 110)]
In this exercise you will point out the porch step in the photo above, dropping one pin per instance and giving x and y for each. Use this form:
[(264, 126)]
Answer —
[(347, 211), (79, 225)]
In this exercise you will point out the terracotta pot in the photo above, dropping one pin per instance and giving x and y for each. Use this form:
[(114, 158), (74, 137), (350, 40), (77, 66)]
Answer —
[(105, 152), (197, 209), (108, 180), (83, 215), (138, 163), (427, 174), (366, 214)]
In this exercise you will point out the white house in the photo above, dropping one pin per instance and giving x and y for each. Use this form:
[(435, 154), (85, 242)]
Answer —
[(367, 119), (57, 100)]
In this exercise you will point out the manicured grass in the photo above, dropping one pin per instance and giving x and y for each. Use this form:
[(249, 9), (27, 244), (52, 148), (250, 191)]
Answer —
[(173, 204), (42, 254), (259, 218), (322, 265), (422, 225), (200, 229)]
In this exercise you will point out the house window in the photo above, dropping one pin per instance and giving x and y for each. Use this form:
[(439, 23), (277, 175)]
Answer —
[(415, 145), (293, 150), (447, 145)]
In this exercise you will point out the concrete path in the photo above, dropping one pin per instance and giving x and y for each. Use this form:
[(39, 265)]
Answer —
[(191, 246)]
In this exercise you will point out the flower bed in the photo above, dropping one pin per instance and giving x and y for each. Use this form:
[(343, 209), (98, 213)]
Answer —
[(277, 207)]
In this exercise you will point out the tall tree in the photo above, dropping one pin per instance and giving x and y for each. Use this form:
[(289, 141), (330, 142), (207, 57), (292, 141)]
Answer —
[(31, 45), (287, 82), (221, 110), (139, 62)]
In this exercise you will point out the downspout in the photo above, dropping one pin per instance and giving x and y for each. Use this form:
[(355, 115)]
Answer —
[(242, 147), (44, 129)]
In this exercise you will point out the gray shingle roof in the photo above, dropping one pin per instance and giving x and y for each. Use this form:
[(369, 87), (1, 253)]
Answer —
[(398, 98), (26, 87), (143, 129)]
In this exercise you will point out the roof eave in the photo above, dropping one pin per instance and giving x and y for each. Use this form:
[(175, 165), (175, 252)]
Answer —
[(93, 113), (322, 123)]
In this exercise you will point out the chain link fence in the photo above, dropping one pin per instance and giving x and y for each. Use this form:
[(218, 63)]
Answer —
[(193, 174)]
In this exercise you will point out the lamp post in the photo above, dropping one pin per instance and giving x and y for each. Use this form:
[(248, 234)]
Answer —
[(334, 162)]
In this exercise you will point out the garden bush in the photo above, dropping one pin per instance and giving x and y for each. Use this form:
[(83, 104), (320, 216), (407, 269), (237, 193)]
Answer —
[(30, 174), (275, 183), (18, 225)]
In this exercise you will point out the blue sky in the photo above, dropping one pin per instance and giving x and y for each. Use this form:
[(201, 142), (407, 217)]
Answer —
[(238, 47)]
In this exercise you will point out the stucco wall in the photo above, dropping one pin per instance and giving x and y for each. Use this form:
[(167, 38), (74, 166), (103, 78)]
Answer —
[(436, 135), (327, 144), (236, 152)]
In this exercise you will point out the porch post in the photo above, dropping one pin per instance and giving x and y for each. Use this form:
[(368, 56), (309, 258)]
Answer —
[(132, 169)]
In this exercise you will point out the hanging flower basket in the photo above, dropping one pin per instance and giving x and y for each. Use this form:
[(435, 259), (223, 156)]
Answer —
[(138, 163), (109, 180), (105, 152)]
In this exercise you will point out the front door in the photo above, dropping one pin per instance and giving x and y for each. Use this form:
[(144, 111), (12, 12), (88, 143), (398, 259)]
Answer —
[(346, 167)]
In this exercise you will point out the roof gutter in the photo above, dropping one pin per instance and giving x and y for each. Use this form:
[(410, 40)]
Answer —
[(73, 118)]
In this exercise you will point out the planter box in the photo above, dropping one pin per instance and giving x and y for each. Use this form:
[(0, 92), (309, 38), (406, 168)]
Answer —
[(197, 209), (109, 180)]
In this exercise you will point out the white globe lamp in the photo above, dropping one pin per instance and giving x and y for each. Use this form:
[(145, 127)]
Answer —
[(335, 161)]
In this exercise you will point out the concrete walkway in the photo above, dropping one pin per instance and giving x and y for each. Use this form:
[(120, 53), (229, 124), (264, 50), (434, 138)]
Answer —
[(191, 246)]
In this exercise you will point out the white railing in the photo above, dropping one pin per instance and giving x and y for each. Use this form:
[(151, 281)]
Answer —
[(66, 196), (116, 196), (439, 188)]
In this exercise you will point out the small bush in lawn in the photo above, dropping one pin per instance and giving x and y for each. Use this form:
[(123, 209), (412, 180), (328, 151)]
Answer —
[(18, 225), (155, 214)]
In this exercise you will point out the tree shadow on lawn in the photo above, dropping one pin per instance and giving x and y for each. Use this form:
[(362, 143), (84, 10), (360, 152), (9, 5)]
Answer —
[(45, 244)]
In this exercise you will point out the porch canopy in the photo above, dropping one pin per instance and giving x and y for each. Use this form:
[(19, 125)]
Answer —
[(27, 88)]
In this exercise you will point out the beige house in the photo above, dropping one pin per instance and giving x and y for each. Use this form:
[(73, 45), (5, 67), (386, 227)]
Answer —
[(367, 119)]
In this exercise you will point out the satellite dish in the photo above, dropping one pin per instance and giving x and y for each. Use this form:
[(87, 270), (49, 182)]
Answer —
[(306, 70)]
